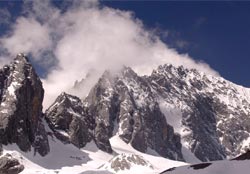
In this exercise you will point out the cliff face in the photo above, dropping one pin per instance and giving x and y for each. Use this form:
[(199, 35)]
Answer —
[(69, 120), (171, 110), (21, 97), (121, 104), (210, 113), (124, 104)]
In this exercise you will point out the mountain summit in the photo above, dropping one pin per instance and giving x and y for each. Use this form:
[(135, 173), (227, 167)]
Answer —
[(126, 119), (21, 97), (174, 111)]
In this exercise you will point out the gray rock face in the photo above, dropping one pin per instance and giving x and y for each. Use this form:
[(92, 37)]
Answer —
[(209, 115), (70, 120), (103, 109), (72, 123), (1, 149), (10, 165), (125, 102), (21, 97), (214, 113)]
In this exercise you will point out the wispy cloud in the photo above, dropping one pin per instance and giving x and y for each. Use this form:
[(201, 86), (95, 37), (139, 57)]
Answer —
[(5, 17), (86, 36), (182, 44), (172, 38)]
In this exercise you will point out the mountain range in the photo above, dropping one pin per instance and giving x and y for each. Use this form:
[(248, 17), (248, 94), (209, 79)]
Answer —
[(128, 123)]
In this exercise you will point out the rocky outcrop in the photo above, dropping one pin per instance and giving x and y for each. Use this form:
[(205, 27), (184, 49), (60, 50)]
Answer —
[(213, 114), (1, 149), (70, 120), (124, 104), (21, 100), (102, 107), (244, 156), (125, 162), (10, 165)]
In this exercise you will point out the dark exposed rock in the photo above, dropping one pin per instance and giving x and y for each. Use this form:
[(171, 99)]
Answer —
[(21, 107), (10, 165), (103, 108), (70, 120), (72, 123), (193, 166), (1, 149), (244, 156), (101, 138), (202, 118), (126, 99), (168, 170), (200, 166), (41, 142)]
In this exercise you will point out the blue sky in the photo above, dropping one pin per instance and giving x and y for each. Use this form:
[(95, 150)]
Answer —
[(217, 33)]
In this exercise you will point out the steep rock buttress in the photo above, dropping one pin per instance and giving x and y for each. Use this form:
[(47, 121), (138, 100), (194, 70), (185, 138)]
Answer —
[(21, 97)]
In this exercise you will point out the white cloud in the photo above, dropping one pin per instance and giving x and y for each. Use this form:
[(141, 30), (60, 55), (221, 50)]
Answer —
[(28, 36), (85, 37)]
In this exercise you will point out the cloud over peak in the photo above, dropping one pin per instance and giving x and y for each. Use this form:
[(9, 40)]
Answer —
[(87, 36)]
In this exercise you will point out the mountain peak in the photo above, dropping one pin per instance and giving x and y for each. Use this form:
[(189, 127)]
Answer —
[(65, 95), (170, 69), (66, 100), (69, 120), (21, 99), (21, 57)]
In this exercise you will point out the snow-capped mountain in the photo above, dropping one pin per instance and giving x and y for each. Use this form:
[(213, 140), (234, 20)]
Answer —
[(126, 123), (124, 104), (175, 111), (213, 112)]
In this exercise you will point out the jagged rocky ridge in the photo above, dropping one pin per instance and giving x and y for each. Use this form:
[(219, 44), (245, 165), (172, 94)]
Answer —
[(125, 104), (10, 165), (172, 109), (72, 122), (214, 112), (69, 120), (115, 108), (21, 97)]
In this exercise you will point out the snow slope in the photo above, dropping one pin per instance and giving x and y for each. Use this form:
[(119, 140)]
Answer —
[(62, 159), (159, 163), (66, 158), (218, 167)]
